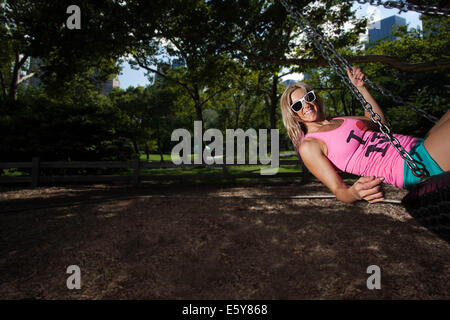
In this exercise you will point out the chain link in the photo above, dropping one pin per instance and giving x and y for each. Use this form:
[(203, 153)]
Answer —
[(373, 85), (322, 44), (404, 7)]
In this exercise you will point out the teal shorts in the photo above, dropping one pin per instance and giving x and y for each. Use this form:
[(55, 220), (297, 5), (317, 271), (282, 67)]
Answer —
[(421, 155)]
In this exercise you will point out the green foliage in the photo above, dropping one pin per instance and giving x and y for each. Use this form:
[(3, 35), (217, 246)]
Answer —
[(37, 29), (427, 90), (230, 78), (71, 128), (149, 114)]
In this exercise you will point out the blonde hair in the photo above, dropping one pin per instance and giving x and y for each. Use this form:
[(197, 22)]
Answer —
[(294, 127)]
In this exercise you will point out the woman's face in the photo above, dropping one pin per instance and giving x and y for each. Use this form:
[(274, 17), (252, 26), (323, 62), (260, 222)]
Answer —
[(310, 111)]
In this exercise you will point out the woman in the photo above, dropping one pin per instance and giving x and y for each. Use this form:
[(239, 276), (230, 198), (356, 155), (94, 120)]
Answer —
[(355, 145)]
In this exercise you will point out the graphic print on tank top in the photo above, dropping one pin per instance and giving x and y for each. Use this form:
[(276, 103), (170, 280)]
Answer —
[(376, 140)]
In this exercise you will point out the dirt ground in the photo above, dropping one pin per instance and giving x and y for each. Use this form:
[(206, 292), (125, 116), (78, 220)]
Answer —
[(209, 242)]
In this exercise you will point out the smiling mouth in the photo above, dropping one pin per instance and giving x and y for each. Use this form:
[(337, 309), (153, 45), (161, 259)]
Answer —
[(308, 112)]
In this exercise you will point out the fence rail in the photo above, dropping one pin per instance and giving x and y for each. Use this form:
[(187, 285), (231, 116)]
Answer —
[(36, 165)]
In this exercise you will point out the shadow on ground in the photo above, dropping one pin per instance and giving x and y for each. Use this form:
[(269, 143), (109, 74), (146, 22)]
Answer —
[(217, 248)]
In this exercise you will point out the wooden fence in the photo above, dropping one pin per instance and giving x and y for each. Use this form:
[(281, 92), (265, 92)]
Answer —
[(135, 178)]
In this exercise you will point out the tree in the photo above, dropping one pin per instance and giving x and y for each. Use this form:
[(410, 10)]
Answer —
[(426, 90), (205, 72), (82, 125), (37, 29), (149, 113)]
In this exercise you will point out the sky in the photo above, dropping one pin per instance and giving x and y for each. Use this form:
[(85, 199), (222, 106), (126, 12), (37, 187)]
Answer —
[(130, 77)]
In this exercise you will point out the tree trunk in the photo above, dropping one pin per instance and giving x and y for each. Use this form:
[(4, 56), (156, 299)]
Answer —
[(274, 102), (342, 95), (198, 110), (147, 152), (158, 141), (15, 76), (353, 106), (335, 106), (237, 104), (136, 146), (198, 104), (3, 84)]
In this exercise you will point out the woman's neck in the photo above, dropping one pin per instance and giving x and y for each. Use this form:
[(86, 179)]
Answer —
[(316, 125)]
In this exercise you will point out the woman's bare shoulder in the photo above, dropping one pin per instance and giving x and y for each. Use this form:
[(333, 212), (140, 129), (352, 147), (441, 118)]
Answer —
[(310, 146)]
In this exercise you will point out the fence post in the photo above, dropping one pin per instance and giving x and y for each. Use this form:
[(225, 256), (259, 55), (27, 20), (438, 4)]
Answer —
[(224, 169), (136, 171), (35, 170)]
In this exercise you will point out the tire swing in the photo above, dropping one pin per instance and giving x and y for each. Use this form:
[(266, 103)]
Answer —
[(429, 201)]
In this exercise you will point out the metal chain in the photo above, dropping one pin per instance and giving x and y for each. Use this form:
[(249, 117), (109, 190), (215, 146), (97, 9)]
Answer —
[(385, 92), (404, 6), (322, 44)]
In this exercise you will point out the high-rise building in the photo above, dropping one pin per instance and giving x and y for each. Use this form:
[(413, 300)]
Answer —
[(109, 85), (382, 29)]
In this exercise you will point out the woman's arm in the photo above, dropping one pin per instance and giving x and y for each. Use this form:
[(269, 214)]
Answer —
[(357, 77), (366, 188)]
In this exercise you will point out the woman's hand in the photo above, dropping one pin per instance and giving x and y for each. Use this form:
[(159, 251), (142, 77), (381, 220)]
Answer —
[(368, 188), (356, 76)]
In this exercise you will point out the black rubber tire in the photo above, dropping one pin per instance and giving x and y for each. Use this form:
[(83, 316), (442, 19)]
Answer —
[(429, 203)]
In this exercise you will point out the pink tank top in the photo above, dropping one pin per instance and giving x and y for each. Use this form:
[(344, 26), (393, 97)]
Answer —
[(355, 149)]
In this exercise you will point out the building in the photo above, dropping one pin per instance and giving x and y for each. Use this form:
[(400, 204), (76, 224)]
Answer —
[(382, 29), (109, 85)]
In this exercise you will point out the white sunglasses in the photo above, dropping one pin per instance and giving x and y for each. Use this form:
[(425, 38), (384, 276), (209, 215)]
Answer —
[(298, 105)]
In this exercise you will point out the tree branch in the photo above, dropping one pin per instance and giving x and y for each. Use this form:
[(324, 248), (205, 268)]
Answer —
[(23, 60), (394, 62), (146, 67), (438, 64), (15, 76), (27, 77), (213, 95), (285, 74)]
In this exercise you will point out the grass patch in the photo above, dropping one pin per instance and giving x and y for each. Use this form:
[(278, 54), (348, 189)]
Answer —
[(14, 172), (167, 157)]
